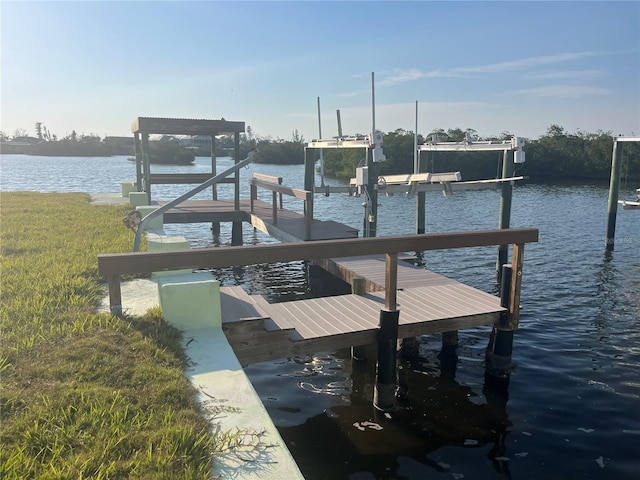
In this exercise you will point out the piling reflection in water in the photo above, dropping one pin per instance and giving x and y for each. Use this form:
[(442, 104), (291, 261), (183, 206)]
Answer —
[(359, 441)]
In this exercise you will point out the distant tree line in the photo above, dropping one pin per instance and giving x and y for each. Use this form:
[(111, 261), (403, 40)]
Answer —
[(558, 155)]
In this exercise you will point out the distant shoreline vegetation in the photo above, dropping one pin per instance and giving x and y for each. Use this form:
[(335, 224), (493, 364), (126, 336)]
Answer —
[(557, 155)]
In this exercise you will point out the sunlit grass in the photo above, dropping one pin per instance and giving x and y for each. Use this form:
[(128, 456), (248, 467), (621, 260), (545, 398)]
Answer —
[(85, 394)]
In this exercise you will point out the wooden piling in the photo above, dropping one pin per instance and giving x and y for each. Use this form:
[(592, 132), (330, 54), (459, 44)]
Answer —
[(500, 348), (309, 169), (236, 228), (115, 295), (385, 385), (215, 227), (614, 189), (505, 208), (421, 201), (145, 166), (359, 287)]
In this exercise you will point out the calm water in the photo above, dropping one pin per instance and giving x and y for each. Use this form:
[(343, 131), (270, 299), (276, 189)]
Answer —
[(571, 408)]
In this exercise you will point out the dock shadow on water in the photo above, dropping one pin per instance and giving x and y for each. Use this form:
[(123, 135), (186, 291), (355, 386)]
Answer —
[(334, 432)]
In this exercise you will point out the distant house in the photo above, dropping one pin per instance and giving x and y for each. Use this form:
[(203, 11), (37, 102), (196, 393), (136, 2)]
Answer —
[(196, 141), (19, 144), (120, 145)]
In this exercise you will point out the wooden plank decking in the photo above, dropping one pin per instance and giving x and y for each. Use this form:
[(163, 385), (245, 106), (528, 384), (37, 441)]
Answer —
[(289, 226), (428, 303)]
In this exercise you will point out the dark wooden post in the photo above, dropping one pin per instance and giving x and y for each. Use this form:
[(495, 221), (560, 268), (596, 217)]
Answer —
[(309, 169), (115, 295), (421, 203), (499, 351), (236, 229), (215, 227), (505, 208), (138, 157), (145, 169), (372, 188), (385, 386), (500, 348), (359, 287), (614, 189)]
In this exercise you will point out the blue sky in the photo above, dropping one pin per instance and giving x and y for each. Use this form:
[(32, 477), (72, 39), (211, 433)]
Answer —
[(491, 66)]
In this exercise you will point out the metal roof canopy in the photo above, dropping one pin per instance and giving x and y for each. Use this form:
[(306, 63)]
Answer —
[(185, 126)]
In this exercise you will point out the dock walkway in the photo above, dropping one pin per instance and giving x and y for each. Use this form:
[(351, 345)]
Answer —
[(428, 303), (288, 227)]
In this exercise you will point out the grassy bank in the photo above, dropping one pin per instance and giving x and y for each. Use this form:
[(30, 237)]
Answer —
[(85, 394)]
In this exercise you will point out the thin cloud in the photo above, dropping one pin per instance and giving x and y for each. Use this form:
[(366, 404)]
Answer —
[(581, 74), (561, 91), (399, 76)]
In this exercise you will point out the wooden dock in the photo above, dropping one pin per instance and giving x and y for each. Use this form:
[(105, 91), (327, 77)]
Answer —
[(288, 226), (428, 303)]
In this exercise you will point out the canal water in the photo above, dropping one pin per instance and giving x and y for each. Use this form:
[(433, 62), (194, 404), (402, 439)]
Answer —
[(571, 408)]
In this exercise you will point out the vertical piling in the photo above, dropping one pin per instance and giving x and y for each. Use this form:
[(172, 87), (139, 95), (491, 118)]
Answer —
[(500, 348), (614, 189), (236, 229), (385, 386), (215, 227), (309, 169), (421, 201), (359, 287), (137, 150), (146, 166), (505, 208)]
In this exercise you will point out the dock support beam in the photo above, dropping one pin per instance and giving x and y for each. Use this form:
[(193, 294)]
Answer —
[(359, 287), (236, 228), (421, 202), (614, 189), (498, 356), (215, 227), (505, 208), (385, 386)]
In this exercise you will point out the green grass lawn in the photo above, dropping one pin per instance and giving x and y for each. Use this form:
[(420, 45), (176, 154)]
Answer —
[(85, 394)]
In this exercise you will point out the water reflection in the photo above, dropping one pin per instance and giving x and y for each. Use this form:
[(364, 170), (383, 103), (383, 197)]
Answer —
[(437, 412)]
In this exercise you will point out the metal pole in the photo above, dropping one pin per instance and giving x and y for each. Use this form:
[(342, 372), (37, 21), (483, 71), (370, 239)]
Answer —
[(415, 144), (614, 189), (373, 104)]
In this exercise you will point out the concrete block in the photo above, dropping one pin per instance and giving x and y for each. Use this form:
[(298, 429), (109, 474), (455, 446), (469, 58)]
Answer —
[(137, 199), (190, 301), (155, 224), (166, 243), (159, 241), (127, 186)]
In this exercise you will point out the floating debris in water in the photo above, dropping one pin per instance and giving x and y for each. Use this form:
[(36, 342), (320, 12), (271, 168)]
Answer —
[(363, 425), (501, 459), (600, 462), (527, 434), (469, 441), (521, 454), (586, 430)]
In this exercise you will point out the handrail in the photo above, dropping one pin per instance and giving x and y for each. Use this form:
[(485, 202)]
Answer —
[(304, 195), (113, 265), (186, 196)]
